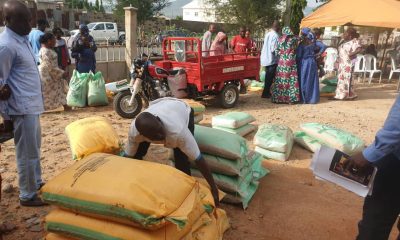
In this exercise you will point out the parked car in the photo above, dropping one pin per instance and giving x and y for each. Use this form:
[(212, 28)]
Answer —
[(173, 33), (104, 31)]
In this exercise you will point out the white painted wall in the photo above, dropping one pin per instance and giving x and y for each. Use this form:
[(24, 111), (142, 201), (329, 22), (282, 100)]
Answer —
[(198, 10)]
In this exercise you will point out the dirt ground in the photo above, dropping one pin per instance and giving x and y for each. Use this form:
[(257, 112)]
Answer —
[(289, 204)]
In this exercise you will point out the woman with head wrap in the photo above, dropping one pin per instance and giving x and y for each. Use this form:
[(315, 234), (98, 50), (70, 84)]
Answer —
[(83, 50), (286, 86), (308, 72), (218, 47), (348, 50)]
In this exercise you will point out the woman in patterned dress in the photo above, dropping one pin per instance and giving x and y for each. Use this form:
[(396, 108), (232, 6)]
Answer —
[(51, 75), (286, 86), (348, 50)]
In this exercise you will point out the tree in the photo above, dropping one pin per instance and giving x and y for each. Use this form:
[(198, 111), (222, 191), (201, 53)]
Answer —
[(254, 14), (296, 14), (102, 7), (146, 8), (97, 5)]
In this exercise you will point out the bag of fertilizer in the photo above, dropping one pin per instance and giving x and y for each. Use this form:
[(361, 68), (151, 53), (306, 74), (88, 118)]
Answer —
[(97, 95), (89, 187), (53, 236), (198, 118), (197, 107), (275, 155), (220, 143), (241, 131), (306, 141), (262, 74), (328, 89), (233, 198), (232, 120), (84, 227), (331, 81), (214, 229), (274, 137), (334, 137), (92, 135), (78, 89)]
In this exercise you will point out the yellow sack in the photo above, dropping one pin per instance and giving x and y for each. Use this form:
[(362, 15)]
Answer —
[(87, 228), (210, 230), (135, 192), (53, 236), (198, 108), (92, 135)]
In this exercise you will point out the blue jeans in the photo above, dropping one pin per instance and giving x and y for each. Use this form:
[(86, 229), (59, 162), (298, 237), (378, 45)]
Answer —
[(27, 139)]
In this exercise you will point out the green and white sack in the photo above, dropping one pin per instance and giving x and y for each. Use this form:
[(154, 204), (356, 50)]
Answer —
[(97, 95), (232, 120), (220, 143), (198, 118), (78, 89), (334, 137), (307, 142), (234, 198), (241, 131), (274, 155), (274, 137)]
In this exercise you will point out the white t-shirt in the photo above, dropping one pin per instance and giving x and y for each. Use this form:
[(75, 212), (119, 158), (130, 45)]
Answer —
[(174, 114)]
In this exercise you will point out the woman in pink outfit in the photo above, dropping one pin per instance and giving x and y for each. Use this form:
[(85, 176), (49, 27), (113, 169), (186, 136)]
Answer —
[(218, 47)]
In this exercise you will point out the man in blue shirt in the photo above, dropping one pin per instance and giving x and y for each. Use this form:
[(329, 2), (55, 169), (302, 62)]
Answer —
[(382, 208), (35, 35), (269, 58), (18, 70)]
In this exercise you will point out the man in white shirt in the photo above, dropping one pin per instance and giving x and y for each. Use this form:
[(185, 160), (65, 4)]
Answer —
[(169, 121), (269, 59), (207, 40)]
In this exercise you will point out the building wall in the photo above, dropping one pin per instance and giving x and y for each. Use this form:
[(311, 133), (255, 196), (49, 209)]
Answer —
[(199, 15)]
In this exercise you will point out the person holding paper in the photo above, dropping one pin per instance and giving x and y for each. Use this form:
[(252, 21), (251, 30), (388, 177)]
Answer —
[(382, 208)]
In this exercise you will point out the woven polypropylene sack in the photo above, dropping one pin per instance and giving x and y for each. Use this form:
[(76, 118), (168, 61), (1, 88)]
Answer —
[(220, 143), (334, 137), (97, 95), (89, 187), (306, 141), (92, 135), (274, 155), (232, 120), (78, 89), (241, 131), (274, 137)]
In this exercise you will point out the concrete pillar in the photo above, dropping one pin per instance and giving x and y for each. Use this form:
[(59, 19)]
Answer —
[(130, 34)]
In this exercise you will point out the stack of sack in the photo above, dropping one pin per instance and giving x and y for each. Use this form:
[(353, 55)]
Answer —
[(235, 169), (103, 196), (313, 135), (234, 122), (328, 86), (198, 109), (274, 141), (87, 89)]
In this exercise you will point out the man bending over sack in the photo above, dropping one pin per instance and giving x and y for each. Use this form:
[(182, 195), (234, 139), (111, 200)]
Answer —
[(169, 121)]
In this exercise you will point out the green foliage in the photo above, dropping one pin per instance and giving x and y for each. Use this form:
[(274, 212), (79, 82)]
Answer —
[(296, 14), (254, 14), (146, 8), (97, 5), (180, 18)]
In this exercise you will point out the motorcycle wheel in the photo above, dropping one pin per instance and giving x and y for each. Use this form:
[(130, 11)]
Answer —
[(121, 105)]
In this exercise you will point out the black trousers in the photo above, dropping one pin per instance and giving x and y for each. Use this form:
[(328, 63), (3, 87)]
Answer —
[(382, 208), (270, 72), (181, 160)]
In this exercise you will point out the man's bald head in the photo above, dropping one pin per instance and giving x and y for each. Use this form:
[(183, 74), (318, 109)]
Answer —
[(17, 17), (150, 126)]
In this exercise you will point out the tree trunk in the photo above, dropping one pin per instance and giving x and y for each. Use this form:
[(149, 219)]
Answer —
[(286, 18)]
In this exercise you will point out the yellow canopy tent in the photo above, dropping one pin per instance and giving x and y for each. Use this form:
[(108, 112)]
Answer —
[(374, 13)]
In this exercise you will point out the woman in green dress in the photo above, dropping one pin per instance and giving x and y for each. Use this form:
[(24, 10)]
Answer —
[(286, 86)]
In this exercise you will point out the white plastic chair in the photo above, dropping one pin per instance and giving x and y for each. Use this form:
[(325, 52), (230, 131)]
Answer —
[(330, 60), (359, 66), (371, 68), (394, 67)]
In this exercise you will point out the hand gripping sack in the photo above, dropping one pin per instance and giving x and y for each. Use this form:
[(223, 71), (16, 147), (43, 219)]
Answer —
[(78, 89), (142, 199), (274, 137), (220, 143), (92, 135), (232, 120), (334, 137), (97, 95)]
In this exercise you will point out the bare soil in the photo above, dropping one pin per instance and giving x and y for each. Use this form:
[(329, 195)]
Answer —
[(289, 204)]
